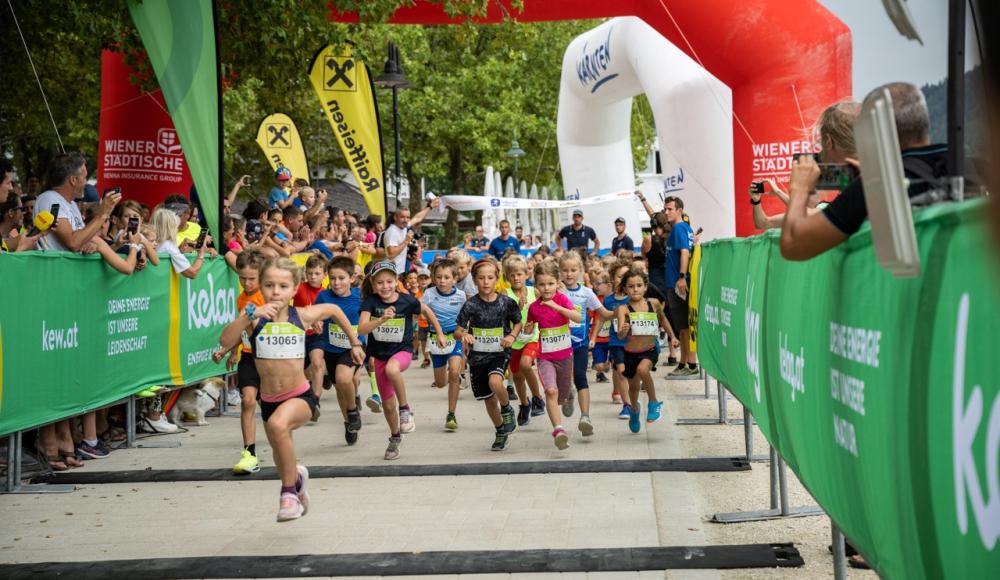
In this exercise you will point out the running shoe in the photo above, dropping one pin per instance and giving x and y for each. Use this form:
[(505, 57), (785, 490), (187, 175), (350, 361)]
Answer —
[(511, 393), (508, 419), (161, 425), (624, 413), (634, 424), (616, 398), (327, 382), (233, 398), (303, 474), (290, 507), (500, 442), (693, 372), (463, 381), (537, 406), (450, 422), (247, 464), (523, 415), (567, 406), (680, 371), (392, 451), (560, 438), (374, 403), (350, 436), (586, 427), (406, 422), (653, 411), (672, 360), (91, 451), (354, 420), (601, 378), (315, 413)]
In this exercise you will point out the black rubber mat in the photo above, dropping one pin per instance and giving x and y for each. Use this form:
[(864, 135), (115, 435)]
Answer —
[(413, 563), (396, 470)]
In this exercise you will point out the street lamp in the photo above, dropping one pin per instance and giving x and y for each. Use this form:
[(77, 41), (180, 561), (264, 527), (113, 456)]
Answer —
[(516, 153), (394, 79)]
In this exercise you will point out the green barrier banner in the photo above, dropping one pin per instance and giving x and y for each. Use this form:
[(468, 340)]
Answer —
[(78, 336), (882, 394)]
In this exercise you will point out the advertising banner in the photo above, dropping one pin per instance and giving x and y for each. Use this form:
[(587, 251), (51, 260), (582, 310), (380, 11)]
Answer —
[(346, 93), (138, 149), (278, 138), (880, 393), (64, 353)]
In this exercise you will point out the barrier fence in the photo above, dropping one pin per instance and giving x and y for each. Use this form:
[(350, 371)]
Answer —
[(76, 336), (881, 394)]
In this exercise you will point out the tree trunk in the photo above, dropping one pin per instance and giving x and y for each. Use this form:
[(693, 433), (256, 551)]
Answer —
[(416, 191)]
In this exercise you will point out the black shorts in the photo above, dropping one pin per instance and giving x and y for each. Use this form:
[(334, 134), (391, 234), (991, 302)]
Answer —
[(422, 334), (267, 409), (616, 354), (678, 310), (632, 360), (334, 359), (482, 368), (314, 341), (246, 372)]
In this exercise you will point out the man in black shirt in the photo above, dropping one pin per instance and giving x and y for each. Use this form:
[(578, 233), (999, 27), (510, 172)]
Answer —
[(578, 235), (621, 241), (805, 236)]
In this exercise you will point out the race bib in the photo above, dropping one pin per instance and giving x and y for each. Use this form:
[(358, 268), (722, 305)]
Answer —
[(281, 340), (338, 338), (605, 330), (391, 330), (434, 348), (487, 339), (643, 323), (526, 337), (554, 339), (577, 324)]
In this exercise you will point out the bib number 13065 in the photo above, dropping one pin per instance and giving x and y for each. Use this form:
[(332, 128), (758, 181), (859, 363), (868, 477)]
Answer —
[(281, 340)]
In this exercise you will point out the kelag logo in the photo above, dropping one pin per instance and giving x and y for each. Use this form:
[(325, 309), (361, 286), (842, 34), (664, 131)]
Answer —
[(593, 65), (208, 307)]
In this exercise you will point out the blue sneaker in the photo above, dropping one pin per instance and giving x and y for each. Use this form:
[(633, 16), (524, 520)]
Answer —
[(634, 424), (653, 412), (623, 414)]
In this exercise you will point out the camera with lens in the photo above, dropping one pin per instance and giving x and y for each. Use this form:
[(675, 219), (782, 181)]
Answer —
[(255, 230)]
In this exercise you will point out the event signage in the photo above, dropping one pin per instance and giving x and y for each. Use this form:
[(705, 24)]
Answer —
[(482, 202), (882, 394), (593, 65), (61, 357), (279, 139)]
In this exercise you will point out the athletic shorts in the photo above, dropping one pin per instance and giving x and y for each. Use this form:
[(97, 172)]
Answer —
[(556, 374), (314, 341), (267, 409), (616, 354), (246, 372), (422, 333), (441, 360), (600, 353), (482, 369), (335, 359), (632, 360), (529, 350), (678, 312)]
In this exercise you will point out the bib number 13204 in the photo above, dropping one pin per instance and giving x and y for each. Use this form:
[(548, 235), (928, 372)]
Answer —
[(487, 339)]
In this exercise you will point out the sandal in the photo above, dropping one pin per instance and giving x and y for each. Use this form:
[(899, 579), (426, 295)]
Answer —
[(426, 363), (857, 562), (56, 463), (70, 459)]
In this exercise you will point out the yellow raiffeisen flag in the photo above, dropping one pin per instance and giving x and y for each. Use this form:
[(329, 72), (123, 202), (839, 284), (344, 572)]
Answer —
[(345, 90), (279, 140)]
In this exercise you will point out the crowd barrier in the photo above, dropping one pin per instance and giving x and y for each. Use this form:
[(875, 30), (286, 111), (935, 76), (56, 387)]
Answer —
[(881, 394), (428, 256), (76, 336)]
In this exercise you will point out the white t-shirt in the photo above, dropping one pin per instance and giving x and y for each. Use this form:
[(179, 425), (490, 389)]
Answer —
[(68, 210), (178, 260), (393, 236)]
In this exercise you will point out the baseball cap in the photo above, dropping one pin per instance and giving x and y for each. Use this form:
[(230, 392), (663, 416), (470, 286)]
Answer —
[(381, 266), (619, 220), (577, 212), (283, 173)]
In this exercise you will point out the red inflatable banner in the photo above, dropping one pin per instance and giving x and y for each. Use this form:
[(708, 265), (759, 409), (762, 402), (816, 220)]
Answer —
[(139, 150)]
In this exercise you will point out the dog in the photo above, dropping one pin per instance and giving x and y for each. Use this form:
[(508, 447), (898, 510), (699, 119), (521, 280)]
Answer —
[(197, 401)]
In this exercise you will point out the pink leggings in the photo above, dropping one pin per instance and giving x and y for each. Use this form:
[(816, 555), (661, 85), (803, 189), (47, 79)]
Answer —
[(385, 389)]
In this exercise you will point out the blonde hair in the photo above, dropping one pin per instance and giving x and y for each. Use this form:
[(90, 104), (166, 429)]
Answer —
[(165, 223), (282, 263), (569, 257), (513, 261), (547, 268), (836, 126), (460, 256)]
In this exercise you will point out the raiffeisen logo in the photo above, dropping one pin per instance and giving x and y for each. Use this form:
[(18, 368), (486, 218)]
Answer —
[(593, 65), (208, 307)]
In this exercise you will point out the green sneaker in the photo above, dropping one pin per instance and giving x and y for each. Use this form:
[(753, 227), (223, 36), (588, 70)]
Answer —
[(451, 423), (247, 464)]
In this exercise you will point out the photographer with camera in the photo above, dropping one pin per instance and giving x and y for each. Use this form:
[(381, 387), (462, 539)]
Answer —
[(399, 235), (804, 236)]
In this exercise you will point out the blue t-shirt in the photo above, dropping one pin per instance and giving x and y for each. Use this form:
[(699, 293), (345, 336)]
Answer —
[(444, 306), (319, 245), (499, 246), (623, 244), (610, 302), (277, 194), (584, 300), (681, 238), (580, 238), (351, 305)]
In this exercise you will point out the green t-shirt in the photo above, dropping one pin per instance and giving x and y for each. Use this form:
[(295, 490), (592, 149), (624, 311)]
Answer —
[(523, 339)]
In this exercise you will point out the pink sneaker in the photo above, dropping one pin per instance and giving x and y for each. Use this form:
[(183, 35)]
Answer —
[(290, 507), (303, 494), (561, 438)]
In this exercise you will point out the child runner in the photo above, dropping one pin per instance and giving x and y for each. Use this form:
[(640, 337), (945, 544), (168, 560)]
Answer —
[(584, 300), (336, 346), (306, 295), (640, 320), (388, 316), (616, 344), (487, 326), (600, 331), (287, 400), (525, 348), (446, 302), (553, 311), (248, 265)]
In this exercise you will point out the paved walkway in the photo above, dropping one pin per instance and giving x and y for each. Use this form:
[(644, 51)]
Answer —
[(356, 515)]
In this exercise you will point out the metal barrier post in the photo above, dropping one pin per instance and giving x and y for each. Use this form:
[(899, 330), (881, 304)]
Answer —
[(130, 422), (783, 485), (13, 482), (779, 500), (723, 411), (708, 395), (839, 553), (773, 468), (748, 432)]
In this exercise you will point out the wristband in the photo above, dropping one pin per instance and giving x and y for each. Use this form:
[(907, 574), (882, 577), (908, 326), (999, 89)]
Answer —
[(752, 202), (250, 309)]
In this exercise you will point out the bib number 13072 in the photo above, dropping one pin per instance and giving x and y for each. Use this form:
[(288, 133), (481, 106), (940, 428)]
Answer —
[(391, 330)]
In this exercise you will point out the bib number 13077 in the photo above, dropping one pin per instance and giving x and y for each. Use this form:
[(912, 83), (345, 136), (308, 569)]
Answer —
[(281, 340)]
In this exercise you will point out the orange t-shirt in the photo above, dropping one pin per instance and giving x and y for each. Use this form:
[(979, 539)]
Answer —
[(241, 302)]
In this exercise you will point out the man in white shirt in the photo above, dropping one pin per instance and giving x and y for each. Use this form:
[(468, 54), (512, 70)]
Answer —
[(68, 175), (399, 234)]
